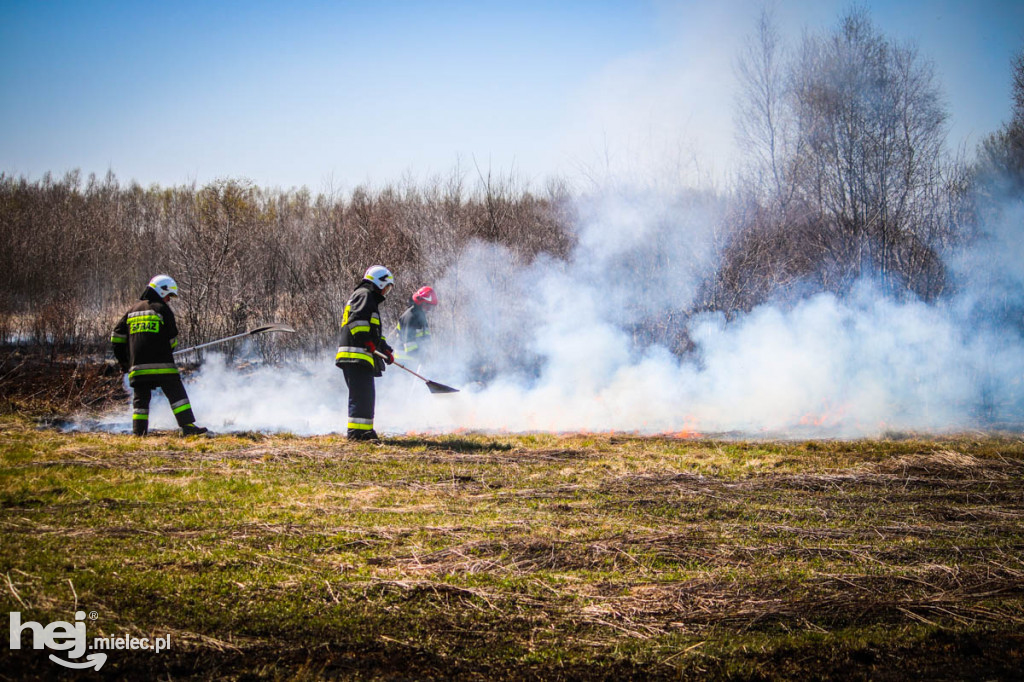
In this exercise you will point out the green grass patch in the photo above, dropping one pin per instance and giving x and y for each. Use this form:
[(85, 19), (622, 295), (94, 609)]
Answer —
[(544, 556)]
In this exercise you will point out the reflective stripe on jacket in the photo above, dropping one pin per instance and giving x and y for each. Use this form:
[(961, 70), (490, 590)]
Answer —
[(145, 337), (361, 325), (413, 330)]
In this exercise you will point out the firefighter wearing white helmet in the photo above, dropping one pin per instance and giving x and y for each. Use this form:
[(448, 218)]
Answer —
[(380, 276), (363, 350), (164, 285), (144, 340)]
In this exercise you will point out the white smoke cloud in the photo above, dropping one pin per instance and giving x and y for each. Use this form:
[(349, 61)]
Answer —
[(555, 346), (547, 346)]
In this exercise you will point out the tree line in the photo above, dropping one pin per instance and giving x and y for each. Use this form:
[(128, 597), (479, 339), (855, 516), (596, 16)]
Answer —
[(76, 249), (847, 176)]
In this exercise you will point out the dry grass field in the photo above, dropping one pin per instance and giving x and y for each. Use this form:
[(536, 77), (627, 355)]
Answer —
[(519, 557)]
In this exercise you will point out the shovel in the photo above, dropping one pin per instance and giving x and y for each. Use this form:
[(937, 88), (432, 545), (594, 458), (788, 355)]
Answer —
[(273, 327), (432, 385)]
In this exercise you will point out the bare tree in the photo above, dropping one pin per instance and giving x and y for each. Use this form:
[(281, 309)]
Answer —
[(1000, 166), (873, 133), (849, 172), (764, 121)]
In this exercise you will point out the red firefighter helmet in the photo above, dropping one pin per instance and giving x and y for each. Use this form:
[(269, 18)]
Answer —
[(425, 295)]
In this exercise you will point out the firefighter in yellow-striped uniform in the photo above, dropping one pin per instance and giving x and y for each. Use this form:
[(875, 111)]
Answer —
[(144, 341), (361, 339), (413, 330)]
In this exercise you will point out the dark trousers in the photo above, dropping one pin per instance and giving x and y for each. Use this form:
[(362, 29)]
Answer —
[(172, 387), (361, 398)]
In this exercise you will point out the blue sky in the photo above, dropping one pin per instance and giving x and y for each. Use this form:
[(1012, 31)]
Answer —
[(334, 94)]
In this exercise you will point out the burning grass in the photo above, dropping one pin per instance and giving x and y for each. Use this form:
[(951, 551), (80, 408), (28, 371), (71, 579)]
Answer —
[(511, 557)]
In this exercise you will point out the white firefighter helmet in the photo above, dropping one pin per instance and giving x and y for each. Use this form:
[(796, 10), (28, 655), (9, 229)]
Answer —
[(380, 276), (164, 285)]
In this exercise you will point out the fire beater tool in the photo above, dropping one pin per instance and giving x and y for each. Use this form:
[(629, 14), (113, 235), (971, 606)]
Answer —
[(273, 327), (432, 385)]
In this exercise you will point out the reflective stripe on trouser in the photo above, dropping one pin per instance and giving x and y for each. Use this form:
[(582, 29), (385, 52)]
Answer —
[(140, 420), (172, 387), (361, 397), (359, 424)]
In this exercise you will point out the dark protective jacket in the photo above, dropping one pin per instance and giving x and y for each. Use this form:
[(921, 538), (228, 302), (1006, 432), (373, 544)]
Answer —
[(361, 325), (145, 337), (413, 331)]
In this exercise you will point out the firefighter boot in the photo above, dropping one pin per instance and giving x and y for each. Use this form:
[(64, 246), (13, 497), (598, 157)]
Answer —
[(193, 430)]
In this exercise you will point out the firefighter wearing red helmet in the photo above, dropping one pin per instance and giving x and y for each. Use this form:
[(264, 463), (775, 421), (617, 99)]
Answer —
[(361, 341), (412, 328)]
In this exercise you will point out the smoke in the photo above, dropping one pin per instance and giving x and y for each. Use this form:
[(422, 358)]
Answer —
[(567, 347), (606, 340)]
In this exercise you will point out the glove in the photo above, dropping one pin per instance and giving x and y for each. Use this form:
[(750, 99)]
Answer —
[(371, 346), (389, 357)]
